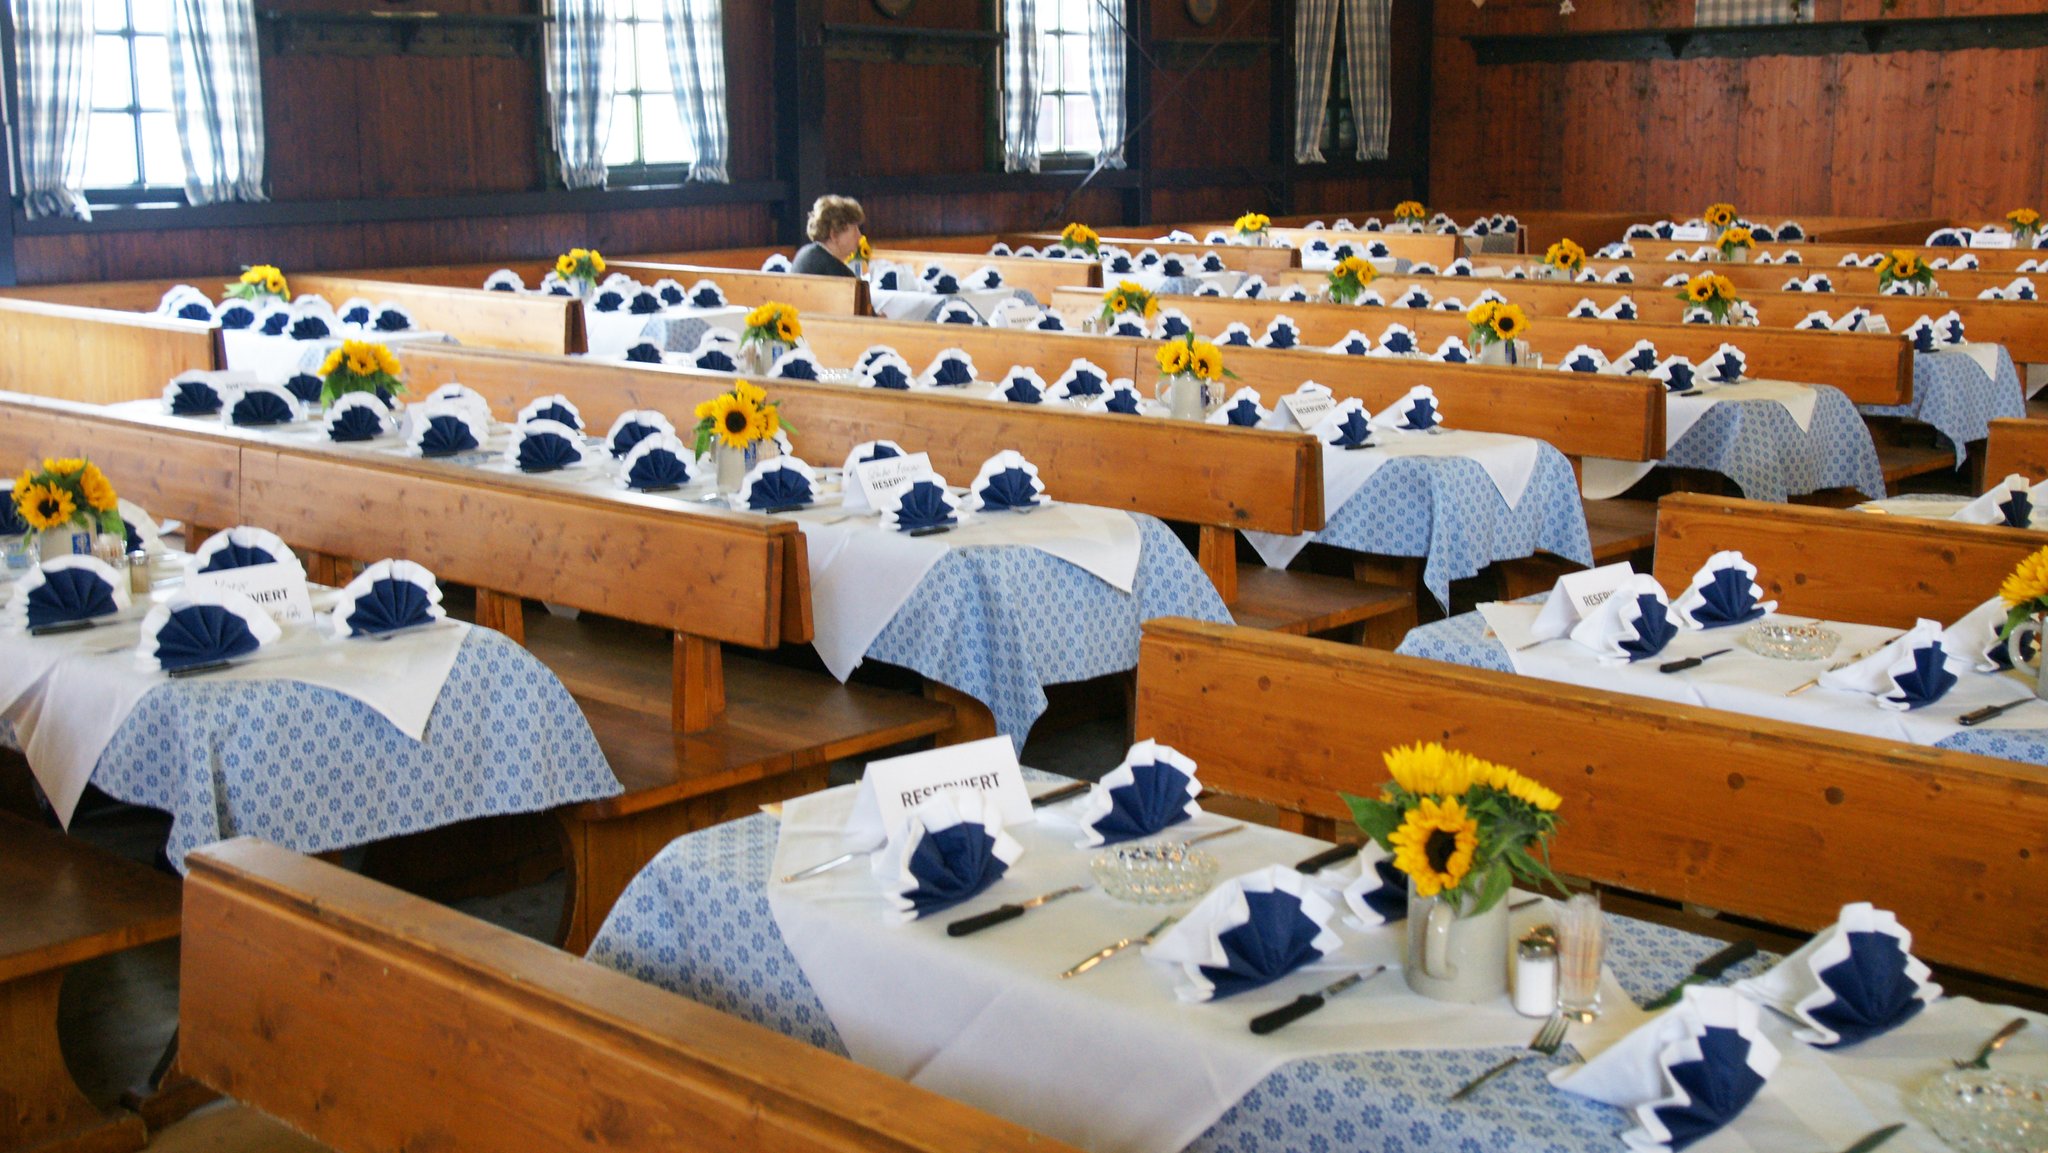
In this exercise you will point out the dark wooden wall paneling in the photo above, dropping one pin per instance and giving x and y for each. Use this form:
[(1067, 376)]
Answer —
[(1905, 134)]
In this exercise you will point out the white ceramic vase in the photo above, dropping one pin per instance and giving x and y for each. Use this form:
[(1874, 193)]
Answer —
[(1456, 958)]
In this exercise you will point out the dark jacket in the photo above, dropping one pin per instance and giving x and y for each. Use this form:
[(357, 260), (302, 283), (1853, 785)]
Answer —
[(813, 260)]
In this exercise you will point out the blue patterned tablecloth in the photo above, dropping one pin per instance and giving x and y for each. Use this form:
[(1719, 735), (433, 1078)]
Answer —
[(1761, 448), (1447, 509), (1462, 640), (696, 922), (314, 770), (1952, 393), (1001, 623)]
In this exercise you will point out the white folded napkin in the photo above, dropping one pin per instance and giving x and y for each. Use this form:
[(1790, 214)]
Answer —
[(1623, 309), (1020, 385), (1281, 332), (234, 394), (1685, 1073), (1373, 891), (242, 546), (951, 368), (454, 395), (1817, 320), (1728, 365), (1235, 333), (1073, 384), (346, 416), (923, 503), (557, 408), (555, 444), (1585, 309), (1583, 358), (167, 623), (1153, 788), (1007, 481), (1723, 592), (1355, 343), (1989, 508), (1903, 675), (1975, 637), (1398, 416), (1346, 425), (1854, 980), (795, 364), (79, 586), (968, 851), (386, 595), (1453, 350), (1288, 927), (633, 426), (886, 370), (660, 459), (1632, 624), (180, 295), (1397, 340), (1243, 408)]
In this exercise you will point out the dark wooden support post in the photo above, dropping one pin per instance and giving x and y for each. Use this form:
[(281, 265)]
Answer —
[(500, 611), (1217, 554), (699, 692), (799, 109)]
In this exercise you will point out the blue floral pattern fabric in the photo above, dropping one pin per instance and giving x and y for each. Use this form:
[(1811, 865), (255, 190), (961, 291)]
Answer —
[(314, 770), (1001, 623), (1446, 509), (1758, 445), (1462, 640), (1951, 392), (696, 922)]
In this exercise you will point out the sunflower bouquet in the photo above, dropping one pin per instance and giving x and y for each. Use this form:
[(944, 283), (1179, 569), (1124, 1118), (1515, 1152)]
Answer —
[(1714, 294), (580, 267), (1495, 323), (1127, 297), (1411, 213), (1191, 373), (67, 492), (1462, 829), (1735, 243), (1901, 267), (863, 255), (1252, 227), (1079, 235), (259, 283), (771, 330), (1719, 215), (1349, 278), (1566, 257), (359, 366), (2025, 224), (2025, 591), (738, 419)]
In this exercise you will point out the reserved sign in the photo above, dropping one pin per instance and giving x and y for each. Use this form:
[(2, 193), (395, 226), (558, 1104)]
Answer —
[(1308, 408), (1576, 596), (879, 481), (891, 788), (279, 589)]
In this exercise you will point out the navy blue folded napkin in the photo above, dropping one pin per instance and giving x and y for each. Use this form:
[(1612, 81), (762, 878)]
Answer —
[(2017, 509), (1051, 322), (1122, 400), (887, 281), (1632, 624), (203, 628), (950, 369), (70, 588), (923, 505), (633, 426), (1279, 334), (645, 352), (945, 284), (1021, 386), (545, 446), (1950, 326), (1685, 1073), (1054, 252), (952, 848), (1350, 429), (1120, 264), (1653, 629), (1728, 364), (671, 294), (11, 523), (1926, 680), (1172, 268), (713, 359), (1211, 262), (195, 310), (1922, 334), (796, 364), (1416, 411), (958, 312), (1355, 343), (1128, 326), (1581, 361), (1378, 250), (309, 328), (1081, 381), (504, 280), (1266, 925), (1006, 481), (259, 406), (609, 300), (1398, 340), (392, 320), (356, 312), (1148, 258), (657, 462), (644, 303), (776, 262), (1236, 336), (1945, 238), (1378, 895), (386, 597), (1855, 980), (240, 547), (1676, 373), (445, 434), (557, 408), (1642, 358), (192, 397), (1723, 592), (1718, 1085), (887, 372), (274, 323), (357, 416), (237, 316), (1243, 411), (305, 387), (1154, 788), (783, 482)]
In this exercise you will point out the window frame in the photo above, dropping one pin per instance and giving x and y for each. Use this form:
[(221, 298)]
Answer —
[(1053, 86), (141, 191), (640, 172)]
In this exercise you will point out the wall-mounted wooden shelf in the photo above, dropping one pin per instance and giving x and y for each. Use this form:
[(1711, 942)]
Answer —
[(886, 44), (1944, 34), (399, 34)]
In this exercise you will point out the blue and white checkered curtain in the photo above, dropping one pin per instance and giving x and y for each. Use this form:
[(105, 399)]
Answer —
[(1315, 44), (1020, 85), (696, 66), (53, 89), (1368, 38), (217, 99), (1718, 12), (1106, 61), (579, 75)]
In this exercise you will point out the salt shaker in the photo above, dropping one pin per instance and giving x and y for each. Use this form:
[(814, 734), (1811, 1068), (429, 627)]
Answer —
[(138, 573), (1534, 979)]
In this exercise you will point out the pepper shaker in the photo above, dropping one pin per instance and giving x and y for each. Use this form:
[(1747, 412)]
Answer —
[(1534, 978)]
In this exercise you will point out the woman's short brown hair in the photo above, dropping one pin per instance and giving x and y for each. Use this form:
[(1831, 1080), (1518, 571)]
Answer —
[(830, 214)]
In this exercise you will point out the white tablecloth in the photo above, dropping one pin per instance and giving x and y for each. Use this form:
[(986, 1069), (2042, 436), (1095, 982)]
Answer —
[(1603, 478), (276, 359), (612, 333)]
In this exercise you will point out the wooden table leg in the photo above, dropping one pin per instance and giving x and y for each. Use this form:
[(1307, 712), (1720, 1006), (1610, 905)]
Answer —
[(971, 719), (41, 1107), (507, 614)]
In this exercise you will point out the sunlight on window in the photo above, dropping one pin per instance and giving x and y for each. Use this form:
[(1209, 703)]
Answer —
[(1066, 114), (131, 140), (646, 128)]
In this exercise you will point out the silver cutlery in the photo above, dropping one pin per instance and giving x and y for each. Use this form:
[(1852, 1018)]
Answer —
[(1983, 1058), (1679, 666), (1213, 834), (1546, 1041), (827, 866), (1875, 1137), (1101, 955), (1010, 912), (1844, 663), (1308, 1003), (1979, 716)]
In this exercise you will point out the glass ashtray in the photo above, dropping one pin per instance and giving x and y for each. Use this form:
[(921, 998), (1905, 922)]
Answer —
[(1787, 642), (1155, 873), (1986, 1111)]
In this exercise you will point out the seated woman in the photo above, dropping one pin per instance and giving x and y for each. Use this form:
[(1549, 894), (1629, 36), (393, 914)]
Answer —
[(834, 229)]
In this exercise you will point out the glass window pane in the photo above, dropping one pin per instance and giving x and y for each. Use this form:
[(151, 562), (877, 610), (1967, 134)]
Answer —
[(1048, 15), (1049, 61), (1049, 125), (1075, 78), (162, 160), (110, 87), (650, 10), (653, 59), (1075, 18), (623, 146), (110, 15), (153, 72), (109, 150), (151, 15), (662, 129), (625, 77), (1082, 134)]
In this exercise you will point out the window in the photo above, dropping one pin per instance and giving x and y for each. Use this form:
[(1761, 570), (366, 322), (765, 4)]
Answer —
[(646, 129), (1066, 111), (131, 140)]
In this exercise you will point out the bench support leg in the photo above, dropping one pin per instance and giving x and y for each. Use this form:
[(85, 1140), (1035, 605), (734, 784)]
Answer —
[(698, 697), (971, 719), (1218, 558), (507, 614), (41, 1107)]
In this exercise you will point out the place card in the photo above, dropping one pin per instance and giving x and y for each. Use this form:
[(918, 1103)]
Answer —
[(1991, 238), (1577, 596), (878, 481), (278, 589), (1690, 234), (891, 788), (1307, 408)]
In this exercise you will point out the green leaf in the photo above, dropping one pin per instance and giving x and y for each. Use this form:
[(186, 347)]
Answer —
[(1495, 887), (1375, 818)]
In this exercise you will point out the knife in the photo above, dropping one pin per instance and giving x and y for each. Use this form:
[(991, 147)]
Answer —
[(1213, 834), (1988, 711), (1875, 1137), (1707, 970), (1680, 666), (1308, 1003), (1055, 796), (1100, 956), (1001, 913), (825, 866), (1309, 866), (1843, 664)]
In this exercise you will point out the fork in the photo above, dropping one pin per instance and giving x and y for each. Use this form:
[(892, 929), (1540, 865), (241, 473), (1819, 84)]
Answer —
[(1983, 1058), (1546, 1042)]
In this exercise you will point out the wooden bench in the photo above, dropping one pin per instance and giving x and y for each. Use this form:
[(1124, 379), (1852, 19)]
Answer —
[(1038, 277), (1754, 277), (63, 902), (2017, 446), (1432, 247), (843, 295), (187, 474), (470, 315), (1766, 819), (96, 353), (374, 1021), (1826, 256), (1221, 479), (1238, 257)]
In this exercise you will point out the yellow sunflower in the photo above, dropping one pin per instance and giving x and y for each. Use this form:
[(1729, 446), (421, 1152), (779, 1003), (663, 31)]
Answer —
[(1736, 238), (786, 329), (275, 285), (565, 265), (1174, 358), (748, 391), (1409, 209), (1435, 844), (1699, 290), (46, 506), (596, 261), (862, 251), (1253, 222), (63, 465), (387, 362), (1720, 215), (1206, 359), (24, 482), (735, 421), (1905, 266), (1723, 287), (1119, 303), (1506, 780), (1431, 769), (1509, 322), (98, 490), (2023, 218), (1481, 315), (771, 421), (2028, 583)]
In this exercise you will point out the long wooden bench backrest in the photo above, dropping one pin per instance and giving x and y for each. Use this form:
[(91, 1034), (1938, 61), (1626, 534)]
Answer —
[(822, 295), (119, 295), (2017, 446), (1038, 277), (839, 342), (373, 1020), (1753, 277), (1842, 564), (1751, 816), (1869, 370), (1435, 248), (1819, 255), (176, 474), (97, 354), (1243, 258), (1203, 474), (517, 320)]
